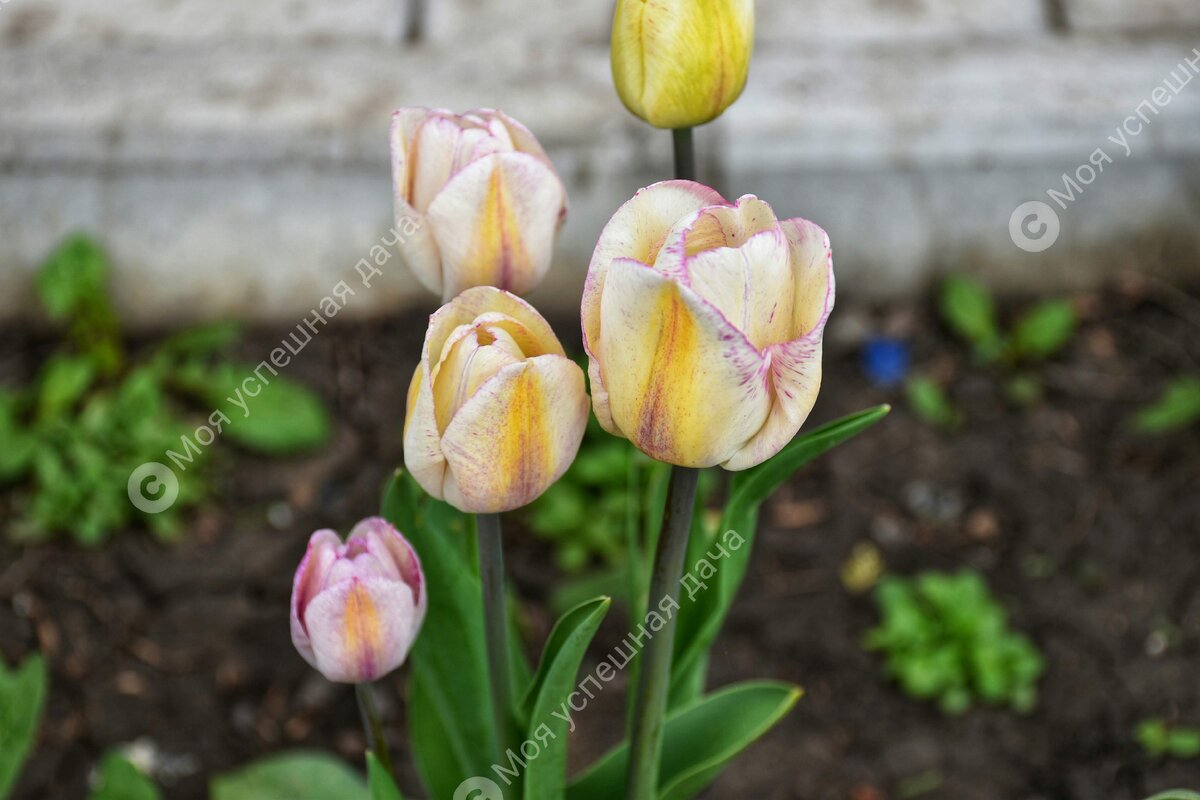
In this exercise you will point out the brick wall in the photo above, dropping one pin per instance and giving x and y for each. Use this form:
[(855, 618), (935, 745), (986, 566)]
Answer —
[(233, 155)]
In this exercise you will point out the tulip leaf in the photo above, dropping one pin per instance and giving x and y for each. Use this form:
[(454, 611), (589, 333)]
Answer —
[(550, 689), (381, 785), (700, 620), (291, 776), (453, 735), (121, 780), (698, 741), (22, 691)]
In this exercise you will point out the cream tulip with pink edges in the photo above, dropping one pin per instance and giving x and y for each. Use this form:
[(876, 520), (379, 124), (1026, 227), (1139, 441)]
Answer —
[(477, 201), (496, 411), (703, 323), (358, 605)]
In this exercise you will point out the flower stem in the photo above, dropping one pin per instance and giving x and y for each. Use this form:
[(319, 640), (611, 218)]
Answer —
[(491, 566), (373, 724), (645, 740), (685, 154)]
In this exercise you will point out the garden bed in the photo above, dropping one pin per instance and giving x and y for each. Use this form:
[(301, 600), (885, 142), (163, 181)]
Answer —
[(1087, 532)]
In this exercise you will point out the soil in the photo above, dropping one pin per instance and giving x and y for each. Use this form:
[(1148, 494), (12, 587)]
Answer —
[(1087, 531)]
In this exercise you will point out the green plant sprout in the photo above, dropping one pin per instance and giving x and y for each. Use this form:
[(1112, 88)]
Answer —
[(968, 310), (582, 515), (1177, 408), (1161, 741), (946, 638), (91, 416)]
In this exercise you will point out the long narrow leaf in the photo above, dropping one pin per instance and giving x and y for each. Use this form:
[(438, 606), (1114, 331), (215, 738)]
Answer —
[(700, 620), (453, 735), (546, 775), (698, 741)]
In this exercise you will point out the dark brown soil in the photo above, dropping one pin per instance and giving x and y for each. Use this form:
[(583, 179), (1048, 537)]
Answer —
[(1089, 533)]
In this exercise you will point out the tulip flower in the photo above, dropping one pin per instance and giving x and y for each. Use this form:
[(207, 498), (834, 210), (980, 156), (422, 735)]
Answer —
[(357, 605), (496, 411), (477, 199), (679, 63), (703, 324)]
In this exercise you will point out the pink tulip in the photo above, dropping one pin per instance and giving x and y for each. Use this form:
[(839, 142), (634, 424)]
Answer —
[(357, 605)]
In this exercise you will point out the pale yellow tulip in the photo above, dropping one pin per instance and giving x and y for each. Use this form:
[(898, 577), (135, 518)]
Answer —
[(678, 63), (496, 411), (477, 201), (703, 324)]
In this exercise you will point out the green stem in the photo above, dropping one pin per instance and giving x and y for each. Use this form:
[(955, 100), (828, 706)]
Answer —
[(491, 567), (373, 725), (645, 739), (685, 154)]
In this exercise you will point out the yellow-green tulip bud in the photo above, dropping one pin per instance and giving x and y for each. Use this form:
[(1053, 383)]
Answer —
[(679, 63)]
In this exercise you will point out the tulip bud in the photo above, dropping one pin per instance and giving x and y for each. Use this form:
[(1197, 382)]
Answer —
[(703, 324), (478, 202), (496, 411), (679, 63), (357, 606)]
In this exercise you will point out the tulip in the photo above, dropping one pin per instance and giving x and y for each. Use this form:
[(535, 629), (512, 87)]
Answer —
[(703, 322), (679, 63), (357, 605), (477, 200), (496, 411)]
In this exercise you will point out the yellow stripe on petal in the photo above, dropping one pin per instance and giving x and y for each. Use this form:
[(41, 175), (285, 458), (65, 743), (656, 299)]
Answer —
[(363, 639), (495, 223), (683, 384), (516, 435)]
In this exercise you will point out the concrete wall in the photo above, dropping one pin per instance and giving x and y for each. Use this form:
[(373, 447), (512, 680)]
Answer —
[(233, 155)]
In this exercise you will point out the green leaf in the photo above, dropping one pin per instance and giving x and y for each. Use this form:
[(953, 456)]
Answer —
[(1175, 794), (553, 682), (204, 340), (380, 781), (700, 621), (22, 691), (72, 286), (451, 727), (967, 308), (62, 381), (74, 275), (930, 403), (698, 741), (1043, 330), (121, 780), (1178, 408), (285, 417), (293, 776)]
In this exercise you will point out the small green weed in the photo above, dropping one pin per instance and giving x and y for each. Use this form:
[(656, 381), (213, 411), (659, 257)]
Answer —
[(946, 638)]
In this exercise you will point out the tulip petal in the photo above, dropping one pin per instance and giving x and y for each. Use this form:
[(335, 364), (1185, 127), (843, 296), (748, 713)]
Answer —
[(795, 366), (361, 629), (637, 230), (384, 536), (488, 305), (495, 223), (683, 384), (515, 436), (750, 284), (310, 577), (415, 240)]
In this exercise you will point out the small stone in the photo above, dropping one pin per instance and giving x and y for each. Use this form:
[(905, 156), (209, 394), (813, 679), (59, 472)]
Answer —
[(982, 525)]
